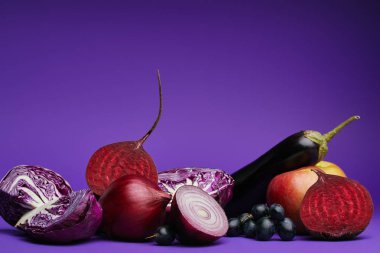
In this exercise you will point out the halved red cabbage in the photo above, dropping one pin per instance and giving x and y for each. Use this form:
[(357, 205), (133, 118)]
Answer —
[(68, 219), (26, 187), (217, 183)]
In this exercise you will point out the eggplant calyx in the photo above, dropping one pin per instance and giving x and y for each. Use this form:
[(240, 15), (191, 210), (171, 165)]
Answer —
[(320, 140)]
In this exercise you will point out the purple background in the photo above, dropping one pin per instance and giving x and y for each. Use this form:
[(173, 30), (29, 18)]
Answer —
[(238, 77)]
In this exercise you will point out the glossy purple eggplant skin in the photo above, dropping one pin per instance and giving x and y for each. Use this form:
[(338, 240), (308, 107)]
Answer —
[(301, 149), (251, 181)]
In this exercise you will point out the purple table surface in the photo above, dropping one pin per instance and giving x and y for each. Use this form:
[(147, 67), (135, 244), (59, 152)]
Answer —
[(238, 76), (13, 240)]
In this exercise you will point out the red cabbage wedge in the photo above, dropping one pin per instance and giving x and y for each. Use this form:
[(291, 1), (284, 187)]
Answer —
[(68, 219), (27, 187)]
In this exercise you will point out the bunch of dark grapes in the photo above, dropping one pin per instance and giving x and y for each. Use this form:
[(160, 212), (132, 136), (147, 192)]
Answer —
[(262, 222)]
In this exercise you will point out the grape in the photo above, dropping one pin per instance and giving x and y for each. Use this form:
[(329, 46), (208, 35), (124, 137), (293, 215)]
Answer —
[(249, 228), (277, 212), (286, 229), (234, 227), (259, 210), (164, 235), (265, 229)]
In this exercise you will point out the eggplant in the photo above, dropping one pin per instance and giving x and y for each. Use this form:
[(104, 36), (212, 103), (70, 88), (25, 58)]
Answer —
[(301, 149)]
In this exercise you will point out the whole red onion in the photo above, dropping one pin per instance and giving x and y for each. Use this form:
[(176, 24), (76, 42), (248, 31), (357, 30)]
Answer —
[(133, 208)]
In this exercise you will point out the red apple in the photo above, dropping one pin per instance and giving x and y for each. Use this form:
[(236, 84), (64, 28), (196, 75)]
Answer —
[(288, 189)]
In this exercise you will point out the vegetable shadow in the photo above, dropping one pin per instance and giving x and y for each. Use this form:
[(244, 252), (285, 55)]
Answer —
[(75, 243), (358, 238), (180, 245), (23, 237), (12, 232)]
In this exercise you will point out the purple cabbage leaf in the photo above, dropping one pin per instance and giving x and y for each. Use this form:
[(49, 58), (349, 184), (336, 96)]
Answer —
[(217, 183), (68, 219), (26, 187)]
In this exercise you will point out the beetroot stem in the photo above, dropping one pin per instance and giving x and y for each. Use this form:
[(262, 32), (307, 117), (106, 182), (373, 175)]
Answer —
[(142, 140), (319, 173)]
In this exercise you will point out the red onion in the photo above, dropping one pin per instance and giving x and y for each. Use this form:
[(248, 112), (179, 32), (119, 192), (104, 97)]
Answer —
[(217, 183), (196, 216), (133, 208)]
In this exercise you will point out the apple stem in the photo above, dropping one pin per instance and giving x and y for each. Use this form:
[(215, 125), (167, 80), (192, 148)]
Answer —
[(328, 136), (142, 140)]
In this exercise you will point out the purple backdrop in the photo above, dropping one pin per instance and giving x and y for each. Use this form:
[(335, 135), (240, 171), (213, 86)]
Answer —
[(238, 77)]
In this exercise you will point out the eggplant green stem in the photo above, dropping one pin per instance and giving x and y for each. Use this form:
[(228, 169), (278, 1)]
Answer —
[(328, 136), (322, 140), (142, 140)]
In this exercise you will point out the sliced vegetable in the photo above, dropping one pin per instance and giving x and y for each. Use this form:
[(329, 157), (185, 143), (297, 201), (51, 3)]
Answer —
[(298, 150), (68, 219), (217, 183), (26, 187), (336, 208), (197, 217)]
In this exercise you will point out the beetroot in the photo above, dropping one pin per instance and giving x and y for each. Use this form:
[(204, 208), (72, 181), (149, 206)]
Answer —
[(196, 216), (123, 158), (336, 208)]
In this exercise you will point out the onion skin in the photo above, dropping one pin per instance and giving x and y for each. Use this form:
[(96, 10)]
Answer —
[(188, 233), (133, 208)]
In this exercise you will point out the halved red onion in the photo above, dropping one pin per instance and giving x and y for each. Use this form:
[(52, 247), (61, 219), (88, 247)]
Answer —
[(217, 183), (196, 216)]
